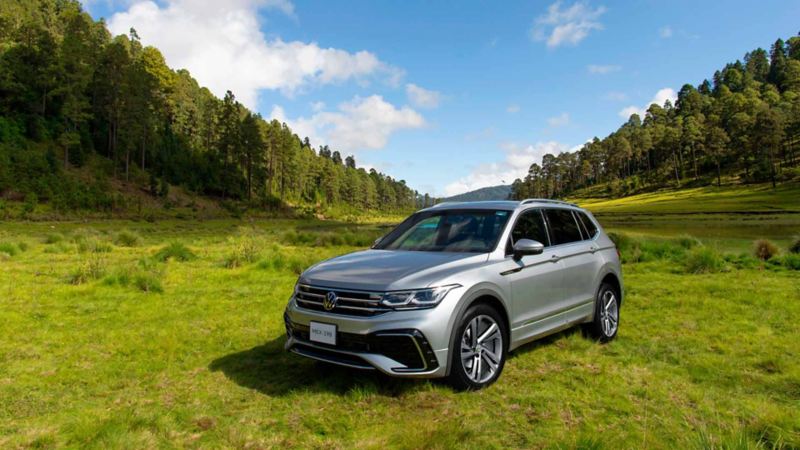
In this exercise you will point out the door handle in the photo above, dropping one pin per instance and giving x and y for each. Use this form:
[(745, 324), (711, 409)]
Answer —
[(555, 258), (592, 249)]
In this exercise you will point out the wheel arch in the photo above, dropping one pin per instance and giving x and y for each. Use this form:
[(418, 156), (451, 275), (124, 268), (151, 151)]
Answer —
[(483, 296), (612, 279)]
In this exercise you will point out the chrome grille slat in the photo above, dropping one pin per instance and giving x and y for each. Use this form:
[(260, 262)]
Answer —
[(356, 303)]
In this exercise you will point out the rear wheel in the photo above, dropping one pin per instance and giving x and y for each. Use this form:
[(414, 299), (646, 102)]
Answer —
[(479, 354), (605, 325)]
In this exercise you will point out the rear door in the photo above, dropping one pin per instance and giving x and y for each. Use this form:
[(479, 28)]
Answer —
[(575, 250), (535, 280)]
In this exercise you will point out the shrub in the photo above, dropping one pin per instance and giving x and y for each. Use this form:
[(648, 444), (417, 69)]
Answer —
[(794, 247), (764, 249), (175, 251), (92, 268), (704, 260), (127, 238), (245, 251), (53, 238)]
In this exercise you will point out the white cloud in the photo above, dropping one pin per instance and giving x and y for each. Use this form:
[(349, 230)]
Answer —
[(602, 69), (518, 160), (222, 45), (615, 96), (559, 120), (661, 96), (568, 25), (359, 124), (421, 97), (513, 109), (665, 32)]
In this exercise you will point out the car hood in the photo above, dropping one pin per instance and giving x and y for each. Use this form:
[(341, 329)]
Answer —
[(388, 270)]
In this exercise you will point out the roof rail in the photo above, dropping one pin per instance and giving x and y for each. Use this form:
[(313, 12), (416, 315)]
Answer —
[(443, 204), (546, 200)]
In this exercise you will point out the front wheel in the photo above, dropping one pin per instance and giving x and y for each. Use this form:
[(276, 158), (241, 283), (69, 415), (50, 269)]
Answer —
[(606, 314), (480, 347)]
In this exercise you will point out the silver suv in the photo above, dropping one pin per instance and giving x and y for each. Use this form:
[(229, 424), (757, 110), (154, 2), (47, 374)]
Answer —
[(455, 287)]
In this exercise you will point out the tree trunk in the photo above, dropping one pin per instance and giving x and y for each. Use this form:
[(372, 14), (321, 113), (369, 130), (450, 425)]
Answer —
[(719, 174)]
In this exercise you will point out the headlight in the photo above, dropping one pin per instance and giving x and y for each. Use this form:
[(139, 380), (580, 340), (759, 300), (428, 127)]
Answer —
[(418, 298)]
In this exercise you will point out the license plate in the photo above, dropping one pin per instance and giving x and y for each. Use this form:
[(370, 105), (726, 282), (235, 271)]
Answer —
[(324, 333)]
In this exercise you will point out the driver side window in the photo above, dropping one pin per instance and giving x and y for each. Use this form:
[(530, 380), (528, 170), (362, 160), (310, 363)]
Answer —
[(530, 225)]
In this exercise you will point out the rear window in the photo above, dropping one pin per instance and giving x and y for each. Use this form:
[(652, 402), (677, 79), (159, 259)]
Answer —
[(563, 227), (588, 226)]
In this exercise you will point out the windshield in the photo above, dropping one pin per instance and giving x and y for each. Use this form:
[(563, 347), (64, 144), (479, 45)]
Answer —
[(448, 231)]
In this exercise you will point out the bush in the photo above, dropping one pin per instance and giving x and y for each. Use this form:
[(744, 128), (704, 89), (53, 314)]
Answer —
[(175, 251), (93, 268), (53, 238), (764, 249), (704, 260), (127, 238), (245, 251), (794, 247)]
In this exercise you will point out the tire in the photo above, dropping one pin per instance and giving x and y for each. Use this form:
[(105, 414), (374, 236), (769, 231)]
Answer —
[(484, 360), (605, 324)]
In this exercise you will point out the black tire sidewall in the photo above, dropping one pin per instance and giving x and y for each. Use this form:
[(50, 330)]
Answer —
[(458, 376), (597, 326)]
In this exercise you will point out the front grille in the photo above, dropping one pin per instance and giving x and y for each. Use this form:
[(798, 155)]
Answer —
[(408, 347), (351, 303)]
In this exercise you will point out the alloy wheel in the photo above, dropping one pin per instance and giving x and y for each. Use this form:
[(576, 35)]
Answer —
[(481, 348)]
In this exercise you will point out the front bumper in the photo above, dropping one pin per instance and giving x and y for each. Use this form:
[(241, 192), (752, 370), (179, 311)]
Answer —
[(398, 343)]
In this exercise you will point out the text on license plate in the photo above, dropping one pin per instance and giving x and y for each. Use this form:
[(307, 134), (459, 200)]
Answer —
[(322, 332)]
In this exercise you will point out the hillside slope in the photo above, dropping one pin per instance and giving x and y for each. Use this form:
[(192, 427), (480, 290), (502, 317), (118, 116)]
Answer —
[(500, 192)]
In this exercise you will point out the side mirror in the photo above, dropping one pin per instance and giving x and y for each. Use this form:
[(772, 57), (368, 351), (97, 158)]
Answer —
[(527, 247)]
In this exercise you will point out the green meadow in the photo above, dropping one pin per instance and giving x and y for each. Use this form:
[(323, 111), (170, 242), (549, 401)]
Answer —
[(123, 334)]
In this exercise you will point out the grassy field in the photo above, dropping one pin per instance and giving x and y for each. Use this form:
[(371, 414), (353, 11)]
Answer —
[(169, 334)]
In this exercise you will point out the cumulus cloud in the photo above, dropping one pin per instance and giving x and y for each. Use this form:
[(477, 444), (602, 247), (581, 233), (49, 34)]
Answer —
[(599, 69), (421, 97), (559, 120), (567, 24), (359, 124), (516, 163), (222, 45), (661, 96)]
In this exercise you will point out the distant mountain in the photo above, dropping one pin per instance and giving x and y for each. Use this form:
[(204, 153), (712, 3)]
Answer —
[(488, 193)]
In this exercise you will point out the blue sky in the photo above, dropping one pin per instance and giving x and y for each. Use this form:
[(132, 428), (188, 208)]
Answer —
[(451, 96)]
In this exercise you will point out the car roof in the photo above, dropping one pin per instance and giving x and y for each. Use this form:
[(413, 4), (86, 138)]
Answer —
[(508, 205)]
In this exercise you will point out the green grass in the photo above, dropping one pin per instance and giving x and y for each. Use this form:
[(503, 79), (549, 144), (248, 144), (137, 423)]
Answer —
[(190, 353)]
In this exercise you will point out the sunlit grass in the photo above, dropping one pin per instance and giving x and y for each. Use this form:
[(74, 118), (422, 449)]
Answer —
[(702, 360)]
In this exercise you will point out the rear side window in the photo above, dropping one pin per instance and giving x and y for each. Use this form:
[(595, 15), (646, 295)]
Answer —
[(530, 225), (563, 227), (588, 226)]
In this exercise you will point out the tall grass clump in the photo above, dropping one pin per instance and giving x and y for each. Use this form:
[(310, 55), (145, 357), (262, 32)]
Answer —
[(688, 242), (53, 238), (175, 251), (93, 245), (764, 249), (621, 240), (274, 260), (704, 260), (128, 238), (245, 251), (145, 276), (90, 269), (794, 247), (9, 249)]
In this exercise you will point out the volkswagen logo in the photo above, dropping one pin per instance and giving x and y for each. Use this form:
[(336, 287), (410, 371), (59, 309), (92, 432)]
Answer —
[(329, 302)]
